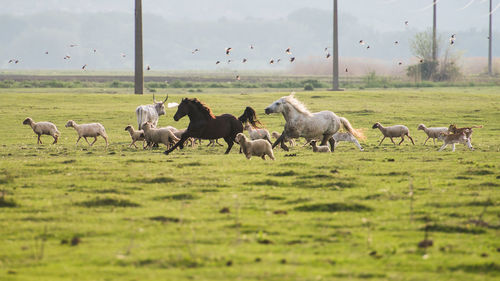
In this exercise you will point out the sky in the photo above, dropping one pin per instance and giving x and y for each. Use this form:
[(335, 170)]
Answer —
[(172, 29)]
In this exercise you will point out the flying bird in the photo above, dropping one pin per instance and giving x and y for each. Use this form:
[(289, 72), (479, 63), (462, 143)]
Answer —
[(148, 67), (67, 57), (277, 61), (252, 47), (46, 52), (229, 61), (368, 47), (123, 55), (217, 62), (421, 60), (73, 45), (326, 49), (400, 63), (362, 42), (271, 61), (288, 51), (84, 66), (95, 51), (228, 50), (396, 42), (244, 60), (346, 70), (237, 77), (292, 59), (406, 23), (195, 50), (328, 55)]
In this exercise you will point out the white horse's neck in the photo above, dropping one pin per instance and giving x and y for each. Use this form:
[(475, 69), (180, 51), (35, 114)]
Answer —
[(291, 114)]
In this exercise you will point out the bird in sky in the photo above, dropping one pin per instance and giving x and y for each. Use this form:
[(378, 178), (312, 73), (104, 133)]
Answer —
[(288, 51), (73, 45), (292, 59), (148, 67), (238, 77), (217, 62), (123, 55), (396, 42), (362, 42), (244, 60), (46, 52), (84, 66), (228, 50), (400, 63), (406, 23), (195, 50), (252, 47), (328, 55), (271, 61)]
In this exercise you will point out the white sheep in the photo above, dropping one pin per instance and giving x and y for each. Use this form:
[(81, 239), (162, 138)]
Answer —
[(178, 134), (455, 138), (276, 135), (393, 132), (135, 135), (433, 132), (257, 134), (43, 128), (88, 130), (321, 148), (161, 135), (258, 147), (348, 137)]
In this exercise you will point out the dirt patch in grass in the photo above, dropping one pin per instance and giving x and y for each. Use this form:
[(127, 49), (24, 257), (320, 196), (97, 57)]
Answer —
[(480, 268), (269, 197), (179, 196), (107, 202), (7, 203), (164, 219), (334, 207), (266, 182), (480, 172), (453, 229), (283, 174), (190, 164), (158, 180)]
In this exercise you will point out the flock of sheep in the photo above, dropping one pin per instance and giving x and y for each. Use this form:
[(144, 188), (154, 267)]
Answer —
[(259, 143)]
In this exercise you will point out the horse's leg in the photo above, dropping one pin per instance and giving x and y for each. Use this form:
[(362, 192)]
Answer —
[(332, 143), (279, 140), (217, 142), (230, 142), (184, 137), (325, 139)]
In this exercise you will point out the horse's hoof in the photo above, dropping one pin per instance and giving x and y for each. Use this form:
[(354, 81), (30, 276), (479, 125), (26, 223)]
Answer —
[(166, 152)]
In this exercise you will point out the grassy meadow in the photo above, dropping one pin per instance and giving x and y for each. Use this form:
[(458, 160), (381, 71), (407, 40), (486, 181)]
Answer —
[(78, 213)]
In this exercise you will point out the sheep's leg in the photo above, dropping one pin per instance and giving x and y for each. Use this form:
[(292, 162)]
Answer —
[(263, 157), (230, 142), (402, 140), (408, 135), (95, 139), (453, 147), (443, 146), (55, 140), (434, 140), (87, 141), (78, 140), (428, 139), (392, 140), (381, 141), (39, 141)]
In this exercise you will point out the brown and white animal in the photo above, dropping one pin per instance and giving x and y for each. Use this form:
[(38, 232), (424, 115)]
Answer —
[(135, 135), (43, 128), (452, 139), (396, 131), (257, 134), (88, 130), (321, 148), (150, 112), (276, 135), (161, 135), (467, 130), (433, 132), (251, 148)]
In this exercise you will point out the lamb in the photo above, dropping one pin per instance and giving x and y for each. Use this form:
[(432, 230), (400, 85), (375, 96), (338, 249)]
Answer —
[(468, 130), (393, 132), (178, 134), (257, 134), (276, 135), (455, 138), (88, 130), (258, 147), (154, 135), (43, 128), (135, 135), (433, 132), (321, 148), (338, 137)]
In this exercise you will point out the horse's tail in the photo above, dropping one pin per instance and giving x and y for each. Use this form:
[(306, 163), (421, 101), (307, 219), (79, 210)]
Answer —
[(357, 133)]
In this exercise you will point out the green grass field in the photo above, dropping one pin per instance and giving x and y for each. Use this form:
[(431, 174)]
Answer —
[(80, 213)]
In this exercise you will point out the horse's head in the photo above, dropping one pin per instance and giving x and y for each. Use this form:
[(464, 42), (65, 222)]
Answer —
[(276, 107), (160, 105), (182, 109)]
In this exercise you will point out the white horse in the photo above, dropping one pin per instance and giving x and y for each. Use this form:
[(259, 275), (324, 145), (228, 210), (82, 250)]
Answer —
[(300, 122)]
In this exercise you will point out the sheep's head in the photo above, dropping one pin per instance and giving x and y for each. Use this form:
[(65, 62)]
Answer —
[(128, 128), (376, 125), (148, 125), (239, 137), (452, 128), (27, 121), (70, 123), (312, 143), (421, 127)]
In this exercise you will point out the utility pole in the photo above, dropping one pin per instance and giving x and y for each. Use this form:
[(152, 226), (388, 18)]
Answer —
[(335, 83), (139, 71), (490, 39), (434, 47)]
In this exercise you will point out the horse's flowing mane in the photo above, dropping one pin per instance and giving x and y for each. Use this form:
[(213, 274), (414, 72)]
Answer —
[(201, 106), (299, 106)]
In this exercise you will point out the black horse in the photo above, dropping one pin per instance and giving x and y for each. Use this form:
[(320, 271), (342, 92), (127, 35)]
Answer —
[(204, 125), (250, 116)]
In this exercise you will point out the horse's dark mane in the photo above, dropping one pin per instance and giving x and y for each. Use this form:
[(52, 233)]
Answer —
[(201, 106), (250, 116)]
